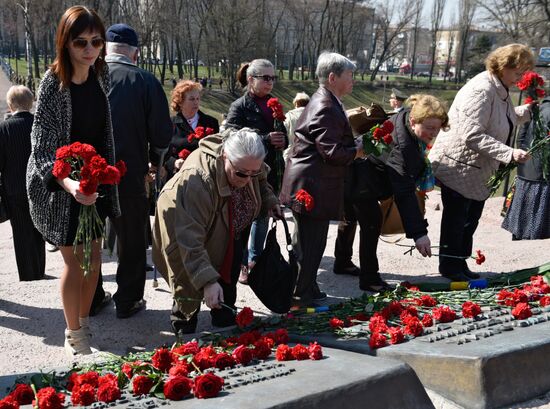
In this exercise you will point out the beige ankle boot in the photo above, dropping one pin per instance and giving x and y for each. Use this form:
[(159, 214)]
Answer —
[(77, 342), (85, 325)]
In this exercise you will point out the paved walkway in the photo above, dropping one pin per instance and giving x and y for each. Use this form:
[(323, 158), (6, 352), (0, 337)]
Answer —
[(5, 84)]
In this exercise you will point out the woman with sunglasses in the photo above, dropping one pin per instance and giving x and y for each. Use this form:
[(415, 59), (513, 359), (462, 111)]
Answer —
[(72, 106), (251, 111), (203, 214)]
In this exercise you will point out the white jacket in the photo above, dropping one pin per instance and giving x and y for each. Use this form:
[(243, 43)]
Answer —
[(465, 156)]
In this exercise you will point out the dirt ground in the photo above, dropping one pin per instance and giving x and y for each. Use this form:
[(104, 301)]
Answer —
[(31, 316)]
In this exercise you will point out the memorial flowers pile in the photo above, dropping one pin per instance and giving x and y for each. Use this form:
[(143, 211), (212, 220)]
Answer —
[(182, 371), (397, 316), (80, 162), (378, 139), (531, 83)]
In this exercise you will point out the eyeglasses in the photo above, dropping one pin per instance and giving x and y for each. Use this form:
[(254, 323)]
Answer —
[(243, 175), (266, 78), (81, 43)]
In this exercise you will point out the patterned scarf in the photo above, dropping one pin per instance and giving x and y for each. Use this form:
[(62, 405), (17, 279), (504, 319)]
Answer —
[(426, 182)]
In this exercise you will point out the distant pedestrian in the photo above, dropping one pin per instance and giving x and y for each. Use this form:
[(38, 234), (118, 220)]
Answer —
[(15, 149), (221, 84)]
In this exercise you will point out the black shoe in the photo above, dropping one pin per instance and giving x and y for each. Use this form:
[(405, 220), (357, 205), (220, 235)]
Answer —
[(319, 296), (471, 275), (379, 286), (456, 276), (182, 328), (350, 269), (134, 308), (95, 309), (149, 267)]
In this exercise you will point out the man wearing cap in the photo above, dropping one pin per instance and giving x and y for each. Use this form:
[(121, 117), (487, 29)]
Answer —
[(142, 130), (396, 100)]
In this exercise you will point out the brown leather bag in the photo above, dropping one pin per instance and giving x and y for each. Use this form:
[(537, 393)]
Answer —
[(391, 219), (363, 119)]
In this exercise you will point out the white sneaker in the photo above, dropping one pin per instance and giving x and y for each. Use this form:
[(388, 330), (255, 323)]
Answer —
[(77, 342), (85, 325)]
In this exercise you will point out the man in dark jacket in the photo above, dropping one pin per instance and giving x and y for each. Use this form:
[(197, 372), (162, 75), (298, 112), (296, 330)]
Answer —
[(15, 149), (142, 130), (318, 163)]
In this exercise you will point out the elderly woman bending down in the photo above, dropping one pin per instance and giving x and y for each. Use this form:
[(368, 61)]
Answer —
[(203, 213), (482, 119)]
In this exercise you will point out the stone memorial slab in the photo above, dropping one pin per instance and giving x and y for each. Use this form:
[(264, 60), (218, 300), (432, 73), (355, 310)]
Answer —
[(481, 363), (341, 380)]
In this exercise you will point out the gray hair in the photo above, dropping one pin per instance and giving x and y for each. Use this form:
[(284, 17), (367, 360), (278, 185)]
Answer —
[(243, 143), (19, 98), (257, 66), (332, 62), (301, 96), (121, 48)]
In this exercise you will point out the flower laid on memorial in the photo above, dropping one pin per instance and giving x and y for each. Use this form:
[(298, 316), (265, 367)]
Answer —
[(80, 162), (305, 199), (245, 317), (378, 139), (531, 83), (183, 371), (199, 133)]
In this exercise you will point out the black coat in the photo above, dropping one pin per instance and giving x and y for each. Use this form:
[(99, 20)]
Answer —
[(405, 164), (180, 132), (141, 121), (244, 112), (15, 149), (532, 169)]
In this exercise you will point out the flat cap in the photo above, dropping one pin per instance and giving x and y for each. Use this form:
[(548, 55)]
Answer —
[(122, 33), (395, 93)]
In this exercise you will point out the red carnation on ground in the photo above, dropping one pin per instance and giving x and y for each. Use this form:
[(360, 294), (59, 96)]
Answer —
[(243, 355), (414, 327), (428, 301), (108, 392), (179, 369), (377, 340), (48, 398), (245, 317), (224, 360), (544, 301), (177, 387), (281, 336), (127, 370), (305, 199), (89, 378), (246, 338), (141, 385), (189, 348), (162, 359), (315, 351), (184, 153), (521, 311), (470, 309), (396, 335), (300, 352), (204, 359), (443, 314), (261, 350), (378, 323), (23, 394), (427, 320), (336, 323), (83, 395), (284, 353), (207, 386), (9, 403)]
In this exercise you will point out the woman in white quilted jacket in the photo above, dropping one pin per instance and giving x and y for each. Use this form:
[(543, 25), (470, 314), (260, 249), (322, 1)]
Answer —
[(482, 119)]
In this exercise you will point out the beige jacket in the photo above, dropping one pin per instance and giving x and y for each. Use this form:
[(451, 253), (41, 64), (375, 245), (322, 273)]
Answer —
[(190, 234), (290, 125), (465, 157)]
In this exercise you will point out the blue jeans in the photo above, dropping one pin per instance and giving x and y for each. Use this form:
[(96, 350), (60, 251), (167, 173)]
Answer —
[(258, 233)]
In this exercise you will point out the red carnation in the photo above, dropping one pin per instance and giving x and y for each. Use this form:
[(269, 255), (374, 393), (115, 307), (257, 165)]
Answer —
[(87, 152), (378, 323), (162, 359), (23, 394), (204, 359), (191, 136), (388, 139), (90, 378), (245, 317), (141, 385), (521, 311), (470, 309), (121, 166), (427, 320), (395, 307), (428, 301), (177, 387), (414, 327), (336, 323), (305, 199), (443, 314), (207, 386), (83, 395), (199, 132), (224, 360), (544, 301), (378, 134), (281, 336), (63, 153), (540, 92), (262, 350), (377, 340), (209, 131), (9, 403), (284, 353), (315, 351), (61, 169), (189, 348), (277, 109), (127, 370), (184, 153), (48, 398), (387, 126), (88, 186), (179, 369), (243, 355), (480, 258), (300, 352), (246, 338), (108, 392), (528, 100), (396, 335)]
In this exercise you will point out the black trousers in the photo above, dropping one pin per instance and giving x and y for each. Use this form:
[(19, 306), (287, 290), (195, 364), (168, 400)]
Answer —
[(367, 212), (28, 243), (459, 222), (309, 242)]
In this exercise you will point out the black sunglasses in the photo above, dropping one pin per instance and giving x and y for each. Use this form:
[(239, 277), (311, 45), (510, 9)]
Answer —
[(266, 78), (81, 43), (243, 175)]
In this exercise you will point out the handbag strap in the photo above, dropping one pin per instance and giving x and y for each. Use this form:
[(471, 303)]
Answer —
[(288, 238)]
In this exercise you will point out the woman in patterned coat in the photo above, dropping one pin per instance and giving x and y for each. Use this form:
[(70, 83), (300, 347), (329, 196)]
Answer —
[(72, 107), (481, 119)]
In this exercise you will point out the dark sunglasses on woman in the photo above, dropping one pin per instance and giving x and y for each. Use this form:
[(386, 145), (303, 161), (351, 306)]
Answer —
[(81, 43), (266, 78), (243, 175)]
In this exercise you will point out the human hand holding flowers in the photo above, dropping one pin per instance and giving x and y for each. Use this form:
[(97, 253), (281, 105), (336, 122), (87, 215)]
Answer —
[(73, 188)]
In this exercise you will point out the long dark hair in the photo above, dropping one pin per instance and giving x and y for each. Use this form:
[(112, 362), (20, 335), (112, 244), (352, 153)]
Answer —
[(75, 21)]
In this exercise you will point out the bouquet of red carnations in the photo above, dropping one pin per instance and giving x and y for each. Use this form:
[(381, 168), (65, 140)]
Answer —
[(199, 133), (80, 161), (278, 126), (378, 139)]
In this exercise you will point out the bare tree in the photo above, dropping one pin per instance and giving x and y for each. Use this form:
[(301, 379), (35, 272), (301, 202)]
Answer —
[(467, 10), (513, 17), (418, 6), (437, 16)]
